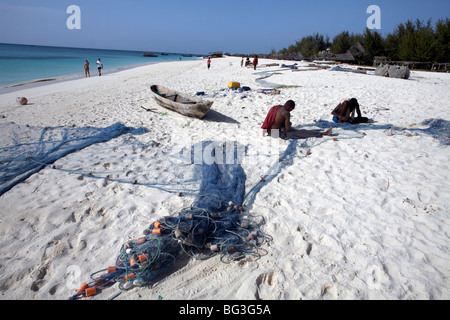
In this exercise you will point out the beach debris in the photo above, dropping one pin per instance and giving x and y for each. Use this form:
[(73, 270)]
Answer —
[(292, 66), (269, 65), (400, 72), (287, 87), (233, 84), (369, 71), (149, 109), (271, 92), (22, 100), (382, 70), (381, 109)]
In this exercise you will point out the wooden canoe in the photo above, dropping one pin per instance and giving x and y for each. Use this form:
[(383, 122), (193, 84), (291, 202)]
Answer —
[(180, 102)]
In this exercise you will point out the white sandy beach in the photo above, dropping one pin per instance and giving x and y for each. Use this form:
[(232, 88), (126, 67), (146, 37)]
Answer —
[(363, 217)]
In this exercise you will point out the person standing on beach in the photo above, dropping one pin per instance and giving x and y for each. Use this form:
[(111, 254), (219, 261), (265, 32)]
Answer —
[(86, 69), (345, 112), (255, 62), (99, 66), (279, 119), (208, 63)]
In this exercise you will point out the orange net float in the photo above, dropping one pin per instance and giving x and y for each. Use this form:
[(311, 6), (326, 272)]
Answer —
[(90, 291), (157, 231)]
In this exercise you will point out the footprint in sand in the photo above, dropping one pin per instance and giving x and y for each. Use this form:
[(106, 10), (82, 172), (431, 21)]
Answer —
[(328, 292), (54, 249), (306, 238), (264, 285), (378, 277), (42, 272)]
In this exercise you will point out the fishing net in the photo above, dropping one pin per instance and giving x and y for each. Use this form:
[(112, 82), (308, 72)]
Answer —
[(439, 129), (215, 224), (25, 150)]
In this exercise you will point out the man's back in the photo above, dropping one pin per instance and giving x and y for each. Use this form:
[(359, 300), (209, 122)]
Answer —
[(282, 119)]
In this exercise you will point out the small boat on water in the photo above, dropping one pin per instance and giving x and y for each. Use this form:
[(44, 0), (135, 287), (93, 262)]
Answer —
[(180, 102), (149, 54)]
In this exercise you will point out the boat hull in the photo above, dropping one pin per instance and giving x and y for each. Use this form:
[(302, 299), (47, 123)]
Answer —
[(180, 102)]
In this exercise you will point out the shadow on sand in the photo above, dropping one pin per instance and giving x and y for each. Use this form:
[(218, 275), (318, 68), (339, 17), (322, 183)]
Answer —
[(215, 116)]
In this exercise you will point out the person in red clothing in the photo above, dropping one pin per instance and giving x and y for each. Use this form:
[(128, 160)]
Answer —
[(279, 119), (270, 119), (255, 62)]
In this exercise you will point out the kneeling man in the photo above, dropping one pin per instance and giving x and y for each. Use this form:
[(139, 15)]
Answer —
[(279, 118)]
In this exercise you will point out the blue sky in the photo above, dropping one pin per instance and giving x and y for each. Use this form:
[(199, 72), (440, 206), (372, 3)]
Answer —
[(191, 26)]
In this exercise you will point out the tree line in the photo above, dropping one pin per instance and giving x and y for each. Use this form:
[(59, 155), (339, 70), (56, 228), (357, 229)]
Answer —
[(411, 41)]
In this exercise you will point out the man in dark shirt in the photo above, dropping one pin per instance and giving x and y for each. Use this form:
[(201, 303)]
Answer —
[(345, 112)]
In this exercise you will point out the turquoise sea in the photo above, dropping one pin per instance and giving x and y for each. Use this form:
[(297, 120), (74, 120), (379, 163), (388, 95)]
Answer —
[(28, 63)]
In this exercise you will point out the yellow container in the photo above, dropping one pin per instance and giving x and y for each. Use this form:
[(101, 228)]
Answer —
[(232, 84)]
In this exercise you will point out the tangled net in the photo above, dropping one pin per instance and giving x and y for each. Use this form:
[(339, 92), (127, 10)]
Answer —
[(215, 224)]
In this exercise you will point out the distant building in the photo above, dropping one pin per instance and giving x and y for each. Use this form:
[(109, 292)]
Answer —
[(348, 57), (295, 56), (284, 56), (356, 50)]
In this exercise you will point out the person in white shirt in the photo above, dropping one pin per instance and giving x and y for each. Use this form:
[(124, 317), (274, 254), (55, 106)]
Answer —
[(99, 66)]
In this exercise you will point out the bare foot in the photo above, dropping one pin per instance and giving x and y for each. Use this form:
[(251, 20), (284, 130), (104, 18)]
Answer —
[(328, 132)]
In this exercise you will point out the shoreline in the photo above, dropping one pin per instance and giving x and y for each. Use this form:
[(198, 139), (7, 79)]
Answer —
[(117, 60), (45, 81)]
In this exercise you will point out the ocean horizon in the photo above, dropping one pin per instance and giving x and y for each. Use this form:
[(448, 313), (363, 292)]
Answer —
[(22, 64)]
